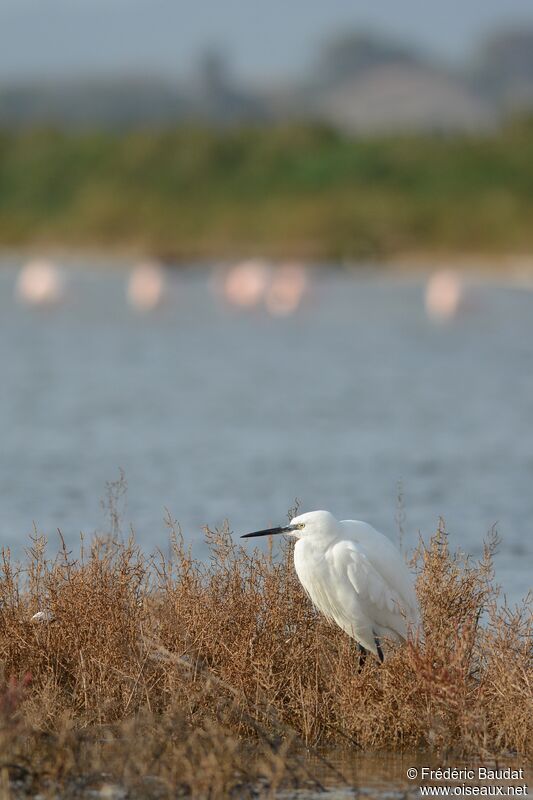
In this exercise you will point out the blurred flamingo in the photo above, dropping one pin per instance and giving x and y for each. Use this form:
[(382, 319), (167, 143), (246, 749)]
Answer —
[(40, 283), (286, 289), (444, 295), (245, 283), (146, 286)]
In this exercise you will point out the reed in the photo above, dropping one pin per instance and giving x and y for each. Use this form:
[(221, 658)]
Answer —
[(210, 675)]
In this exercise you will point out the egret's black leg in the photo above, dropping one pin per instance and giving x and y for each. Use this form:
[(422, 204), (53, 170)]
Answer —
[(362, 655), (378, 648)]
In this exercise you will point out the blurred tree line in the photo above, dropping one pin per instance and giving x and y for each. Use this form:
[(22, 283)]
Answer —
[(302, 190)]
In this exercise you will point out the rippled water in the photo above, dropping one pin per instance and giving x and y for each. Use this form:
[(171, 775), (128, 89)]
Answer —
[(216, 413)]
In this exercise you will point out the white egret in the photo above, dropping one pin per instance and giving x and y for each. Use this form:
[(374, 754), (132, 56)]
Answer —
[(43, 616), (354, 575)]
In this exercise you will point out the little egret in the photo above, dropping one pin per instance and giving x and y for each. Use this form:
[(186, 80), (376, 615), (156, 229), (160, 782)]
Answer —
[(43, 616), (354, 576)]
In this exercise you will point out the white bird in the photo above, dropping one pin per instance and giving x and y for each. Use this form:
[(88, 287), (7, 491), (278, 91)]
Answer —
[(354, 575), (43, 616)]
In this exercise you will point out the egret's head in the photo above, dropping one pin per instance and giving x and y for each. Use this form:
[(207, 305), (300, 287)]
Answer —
[(313, 522)]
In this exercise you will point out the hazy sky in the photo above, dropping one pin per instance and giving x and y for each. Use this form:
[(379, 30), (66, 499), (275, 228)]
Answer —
[(268, 39)]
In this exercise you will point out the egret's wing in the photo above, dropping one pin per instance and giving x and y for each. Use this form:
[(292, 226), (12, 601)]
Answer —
[(379, 593), (386, 560), (368, 583)]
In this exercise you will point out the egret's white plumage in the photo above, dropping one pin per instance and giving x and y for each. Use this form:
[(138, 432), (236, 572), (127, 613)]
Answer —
[(43, 616), (354, 575)]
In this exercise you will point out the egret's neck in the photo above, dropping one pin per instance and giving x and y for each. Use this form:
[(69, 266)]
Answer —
[(318, 540)]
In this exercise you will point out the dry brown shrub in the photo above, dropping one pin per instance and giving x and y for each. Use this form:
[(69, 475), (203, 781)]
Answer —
[(186, 660)]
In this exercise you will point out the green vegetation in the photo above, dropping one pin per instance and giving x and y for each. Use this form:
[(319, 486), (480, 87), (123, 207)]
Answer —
[(288, 191)]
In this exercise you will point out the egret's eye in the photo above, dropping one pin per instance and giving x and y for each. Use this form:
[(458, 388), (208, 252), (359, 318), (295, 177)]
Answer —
[(300, 525)]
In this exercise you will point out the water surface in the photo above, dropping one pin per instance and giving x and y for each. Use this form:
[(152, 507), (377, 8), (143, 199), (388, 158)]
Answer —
[(346, 773), (217, 413)]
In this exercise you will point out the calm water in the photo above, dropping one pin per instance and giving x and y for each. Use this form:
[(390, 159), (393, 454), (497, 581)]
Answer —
[(216, 413), (384, 775)]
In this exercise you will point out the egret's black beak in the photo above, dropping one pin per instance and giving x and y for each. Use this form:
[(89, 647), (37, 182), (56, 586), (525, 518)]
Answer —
[(271, 531)]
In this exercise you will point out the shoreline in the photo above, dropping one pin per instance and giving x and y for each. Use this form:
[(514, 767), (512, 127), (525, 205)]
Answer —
[(516, 266)]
